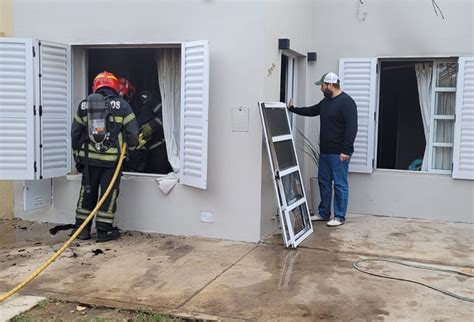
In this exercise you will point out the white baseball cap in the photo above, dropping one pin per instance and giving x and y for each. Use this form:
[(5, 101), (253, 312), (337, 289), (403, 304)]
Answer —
[(330, 78)]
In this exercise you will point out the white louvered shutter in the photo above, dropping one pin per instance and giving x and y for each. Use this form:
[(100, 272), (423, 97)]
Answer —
[(194, 113), (55, 105), (358, 79), (17, 121), (463, 153)]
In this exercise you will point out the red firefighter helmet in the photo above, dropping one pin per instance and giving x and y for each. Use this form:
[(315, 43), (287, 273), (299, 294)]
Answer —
[(105, 79), (126, 88)]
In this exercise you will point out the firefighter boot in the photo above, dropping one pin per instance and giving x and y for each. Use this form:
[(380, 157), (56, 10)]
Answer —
[(106, 232), (85, 234)]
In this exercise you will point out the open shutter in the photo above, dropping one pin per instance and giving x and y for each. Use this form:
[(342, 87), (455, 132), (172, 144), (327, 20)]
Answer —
[(358, 79), (463, 153), (17, 151), (194, 113), (55, 109)]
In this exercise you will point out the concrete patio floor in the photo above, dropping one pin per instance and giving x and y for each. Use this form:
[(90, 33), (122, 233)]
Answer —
[(227, 280)]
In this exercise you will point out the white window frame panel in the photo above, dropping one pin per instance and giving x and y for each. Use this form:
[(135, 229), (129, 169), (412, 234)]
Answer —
[(359, 79), (289, 238), (463, 151), (17, 121), (194, 113), (434, 117)]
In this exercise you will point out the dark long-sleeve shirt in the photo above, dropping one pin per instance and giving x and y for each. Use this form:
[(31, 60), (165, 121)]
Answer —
[(338, 123)]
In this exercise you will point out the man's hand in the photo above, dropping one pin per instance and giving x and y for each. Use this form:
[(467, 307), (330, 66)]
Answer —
[(343, 157)]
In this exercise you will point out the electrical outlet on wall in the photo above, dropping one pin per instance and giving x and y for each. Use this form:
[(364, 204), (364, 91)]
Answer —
[(207, 216)]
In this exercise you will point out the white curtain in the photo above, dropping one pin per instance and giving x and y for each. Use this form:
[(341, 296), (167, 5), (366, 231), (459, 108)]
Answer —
[(168, 62), (424, 74)]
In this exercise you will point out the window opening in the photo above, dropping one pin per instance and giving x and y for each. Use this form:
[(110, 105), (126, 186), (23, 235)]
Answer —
[(416, 115), (401, 138), (139, 66)]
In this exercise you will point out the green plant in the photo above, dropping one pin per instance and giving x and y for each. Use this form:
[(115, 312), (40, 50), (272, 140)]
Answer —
[(309, 146), (43, 304)]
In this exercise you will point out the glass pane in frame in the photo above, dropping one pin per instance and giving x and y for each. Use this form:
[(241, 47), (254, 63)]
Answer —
[(445, 103), (446, 74), (285, 154), (277, 121), (442, 158), (292, 186), (299, 219), (443, 131)]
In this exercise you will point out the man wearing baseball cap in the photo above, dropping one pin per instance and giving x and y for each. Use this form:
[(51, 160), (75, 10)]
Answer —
[(338, 116)]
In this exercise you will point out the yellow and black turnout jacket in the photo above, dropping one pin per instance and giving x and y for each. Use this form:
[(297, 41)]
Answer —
[(122, 125)]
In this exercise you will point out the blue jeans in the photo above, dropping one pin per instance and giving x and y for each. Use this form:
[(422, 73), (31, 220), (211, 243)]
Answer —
[(333, 170)]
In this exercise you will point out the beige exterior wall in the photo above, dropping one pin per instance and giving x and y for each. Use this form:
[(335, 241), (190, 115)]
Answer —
[(6, 187), (6, 18)]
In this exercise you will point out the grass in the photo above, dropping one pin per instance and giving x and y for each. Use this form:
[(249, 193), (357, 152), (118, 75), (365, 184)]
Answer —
[(22, 318), (143, 316), (63, 311), (44, 303)]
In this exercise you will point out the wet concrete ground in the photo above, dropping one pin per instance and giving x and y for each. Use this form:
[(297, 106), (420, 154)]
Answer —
[(232, 280)]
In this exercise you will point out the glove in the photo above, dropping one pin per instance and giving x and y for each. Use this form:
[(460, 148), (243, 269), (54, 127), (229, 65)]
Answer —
[(147, 131), (79, 165), (141, 141)]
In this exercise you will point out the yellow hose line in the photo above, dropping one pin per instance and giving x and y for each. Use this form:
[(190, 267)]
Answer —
[(6, 295)]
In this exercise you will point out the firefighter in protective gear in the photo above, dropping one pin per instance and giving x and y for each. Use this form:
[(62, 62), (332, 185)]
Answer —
[(150, 155), (96, 139), (126, 89)]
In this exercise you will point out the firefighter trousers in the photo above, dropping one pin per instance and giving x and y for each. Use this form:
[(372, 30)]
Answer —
[(99, 178)]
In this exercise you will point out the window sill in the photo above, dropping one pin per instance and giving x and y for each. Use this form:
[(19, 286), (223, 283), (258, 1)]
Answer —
[(125, 176), (137, 175), (409, 172)]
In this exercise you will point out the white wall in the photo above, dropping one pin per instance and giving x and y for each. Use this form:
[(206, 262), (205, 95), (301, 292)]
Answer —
[(414, 195), (396, 28), (235, 32), (243, 44), (292, 20)]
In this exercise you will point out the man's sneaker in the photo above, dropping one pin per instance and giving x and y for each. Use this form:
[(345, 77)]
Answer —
[(317, 217), (106, 235), (335, 222)]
